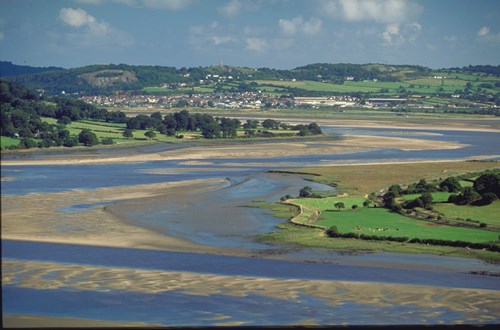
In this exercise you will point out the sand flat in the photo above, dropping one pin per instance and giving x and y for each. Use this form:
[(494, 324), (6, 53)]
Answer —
[(34, 275), (348, 143)]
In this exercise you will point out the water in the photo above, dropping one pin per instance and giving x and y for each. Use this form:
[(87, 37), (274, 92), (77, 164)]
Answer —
[(28, 179), (246, 183), (336, 269)]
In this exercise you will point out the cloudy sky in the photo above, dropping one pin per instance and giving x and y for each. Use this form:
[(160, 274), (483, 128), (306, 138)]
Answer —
[(254, 33)]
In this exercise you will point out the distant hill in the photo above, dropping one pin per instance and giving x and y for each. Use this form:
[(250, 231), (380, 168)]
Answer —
[(7, 69), (107, 79)]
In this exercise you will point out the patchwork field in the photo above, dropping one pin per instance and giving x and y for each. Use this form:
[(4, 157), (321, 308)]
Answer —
[(489, 214)]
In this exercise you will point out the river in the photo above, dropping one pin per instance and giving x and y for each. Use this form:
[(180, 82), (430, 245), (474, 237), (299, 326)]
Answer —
[(201, 221)]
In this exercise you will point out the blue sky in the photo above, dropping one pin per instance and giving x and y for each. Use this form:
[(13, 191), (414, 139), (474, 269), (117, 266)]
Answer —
[(254, 33)]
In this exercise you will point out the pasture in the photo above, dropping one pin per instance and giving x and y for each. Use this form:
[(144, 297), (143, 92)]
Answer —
[(437, 197), (489, 214), (6, 141), (362, 179), (382, 222)]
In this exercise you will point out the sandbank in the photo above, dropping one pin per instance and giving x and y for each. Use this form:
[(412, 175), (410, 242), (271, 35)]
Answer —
[(346, 144), (22, 215), (11, 320), (476, 305)]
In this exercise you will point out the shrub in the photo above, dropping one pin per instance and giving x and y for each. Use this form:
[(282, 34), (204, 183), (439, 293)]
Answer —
[(107, 140)]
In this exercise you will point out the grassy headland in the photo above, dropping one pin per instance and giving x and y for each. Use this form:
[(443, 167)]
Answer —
[(356, 183)]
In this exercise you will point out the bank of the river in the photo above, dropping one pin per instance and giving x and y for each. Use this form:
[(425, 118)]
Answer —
[(171, 242), (360, 181)]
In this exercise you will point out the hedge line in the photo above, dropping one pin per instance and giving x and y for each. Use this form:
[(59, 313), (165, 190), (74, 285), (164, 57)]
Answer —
[(333, 232)]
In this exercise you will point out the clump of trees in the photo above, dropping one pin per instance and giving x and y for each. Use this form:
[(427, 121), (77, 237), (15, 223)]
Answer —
[(485, 190), (21, 111), (211, 127)]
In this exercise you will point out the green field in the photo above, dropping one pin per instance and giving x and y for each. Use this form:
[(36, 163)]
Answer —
[(328, 202), (6, 141), (383, 222), (489, 214), (437, 197)]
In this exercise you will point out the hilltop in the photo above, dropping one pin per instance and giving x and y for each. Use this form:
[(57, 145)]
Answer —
[(317, 79)]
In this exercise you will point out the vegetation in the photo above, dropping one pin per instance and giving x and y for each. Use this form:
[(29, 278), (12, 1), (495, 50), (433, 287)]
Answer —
[(29, 120), (394, 216), (474, 83)]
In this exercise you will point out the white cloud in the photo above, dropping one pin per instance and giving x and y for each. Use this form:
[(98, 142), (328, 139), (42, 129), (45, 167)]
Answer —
[(483, 31), (256, 44), (155, 4), (220, 40), (91, 31), (392, 35), (76, 17), (485, 34), (231, 9), (90, 2), (381, 11), (167, 4), (298, 25)]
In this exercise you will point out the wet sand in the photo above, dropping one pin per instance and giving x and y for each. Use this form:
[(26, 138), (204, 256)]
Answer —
[(38, 217), (48, 275), (37, 321), (348, 143)]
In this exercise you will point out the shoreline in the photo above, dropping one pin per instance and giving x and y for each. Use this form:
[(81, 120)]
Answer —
[(268, 149)]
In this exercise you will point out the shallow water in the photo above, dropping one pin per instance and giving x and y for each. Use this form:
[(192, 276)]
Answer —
[(213, 208), (178, 309)]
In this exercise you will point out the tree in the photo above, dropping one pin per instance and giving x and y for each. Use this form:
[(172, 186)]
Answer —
[(150, 134), (426, 199), (128, 133), (87, 138), (305, 192), (488, 183), (395, 189), (339, 205), (315, 129), (251, 124), (469, 196), (488, 198), (270, 124), (211, 131), (228, 127), (451, 184)]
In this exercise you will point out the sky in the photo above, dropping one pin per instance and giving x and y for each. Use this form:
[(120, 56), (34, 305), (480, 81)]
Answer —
[(281, 34)]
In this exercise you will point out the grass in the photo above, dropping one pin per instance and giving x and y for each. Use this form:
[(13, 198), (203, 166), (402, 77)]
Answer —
[(383, 222), (115, 132), (363, 179), (437, 197), (328, 202), (292, 234), (489, 214), (6, 141), (359, 181)]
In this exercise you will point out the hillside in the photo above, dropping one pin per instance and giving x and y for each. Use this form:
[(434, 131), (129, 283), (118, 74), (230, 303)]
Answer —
[(367, 80), (7, 69)]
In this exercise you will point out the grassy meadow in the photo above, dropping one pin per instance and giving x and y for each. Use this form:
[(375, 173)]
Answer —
[(355, 183), (6, 141), (489, 214), (437, 197)]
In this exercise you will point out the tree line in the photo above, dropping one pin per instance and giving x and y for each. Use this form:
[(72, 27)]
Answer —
[(214, 127), (22, 109)]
